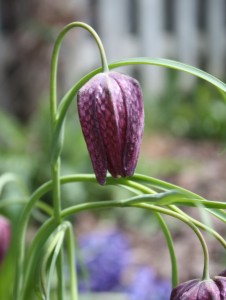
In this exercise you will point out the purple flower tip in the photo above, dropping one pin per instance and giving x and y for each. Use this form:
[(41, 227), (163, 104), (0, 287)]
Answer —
[(5, 235), (201, 290), (111, 113)]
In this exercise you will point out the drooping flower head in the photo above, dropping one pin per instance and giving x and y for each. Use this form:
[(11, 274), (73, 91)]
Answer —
[(5, 235), (201, 289), (111, 114)]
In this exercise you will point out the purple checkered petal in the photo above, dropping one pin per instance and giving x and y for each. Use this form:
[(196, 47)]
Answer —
[(87, 97), (132, 96), (111, 113), (221, 284), (196, 290)]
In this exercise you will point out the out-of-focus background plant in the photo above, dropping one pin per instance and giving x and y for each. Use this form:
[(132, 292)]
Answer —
[(184, 131)]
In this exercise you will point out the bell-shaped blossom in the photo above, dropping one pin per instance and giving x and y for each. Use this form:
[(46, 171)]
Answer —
[(111, 114), (196, 289), (5, 236)]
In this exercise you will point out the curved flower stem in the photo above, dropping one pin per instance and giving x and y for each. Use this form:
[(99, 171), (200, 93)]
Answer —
[(165, 186), (54, 62), (171, 249), (205, 275), (53, 106), (200, 225), (57, 144)]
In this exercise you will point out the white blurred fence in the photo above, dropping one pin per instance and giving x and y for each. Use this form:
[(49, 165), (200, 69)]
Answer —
[(195, 34)]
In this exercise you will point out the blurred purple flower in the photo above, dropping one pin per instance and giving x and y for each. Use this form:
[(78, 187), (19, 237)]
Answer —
[(106, 256), (5, 236), (111, 113), (146, 286)]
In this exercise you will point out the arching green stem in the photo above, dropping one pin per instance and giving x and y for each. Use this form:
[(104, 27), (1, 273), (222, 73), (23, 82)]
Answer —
[(169, 240), (53, 104), (205, 274), (57, 144), (55, 55), (200, 225)]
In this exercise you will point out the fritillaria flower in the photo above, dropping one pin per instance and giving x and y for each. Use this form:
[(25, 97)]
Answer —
[(211, 289), (5, 235), (111, 114)]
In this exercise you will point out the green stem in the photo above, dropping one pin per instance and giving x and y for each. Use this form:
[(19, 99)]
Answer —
[(54, 62), (200, 225), (168, 237), (56, 190), (72, 264), (57, 141), (165, 186), (60, 272)]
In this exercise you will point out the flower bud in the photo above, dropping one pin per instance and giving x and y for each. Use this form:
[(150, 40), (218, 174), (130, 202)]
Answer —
[(5, 235), (201, 289), (111, 113)]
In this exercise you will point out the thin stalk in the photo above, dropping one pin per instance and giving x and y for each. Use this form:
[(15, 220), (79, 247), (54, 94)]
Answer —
[(169, 240), (72, 264), (205, 275), (56, 190), (55, 55), (57, 140), (60, 272), (200, 225)]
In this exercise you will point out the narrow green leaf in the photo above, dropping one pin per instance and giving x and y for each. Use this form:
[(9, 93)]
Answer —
[(219, 213), (173, 65), (53, 263)]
